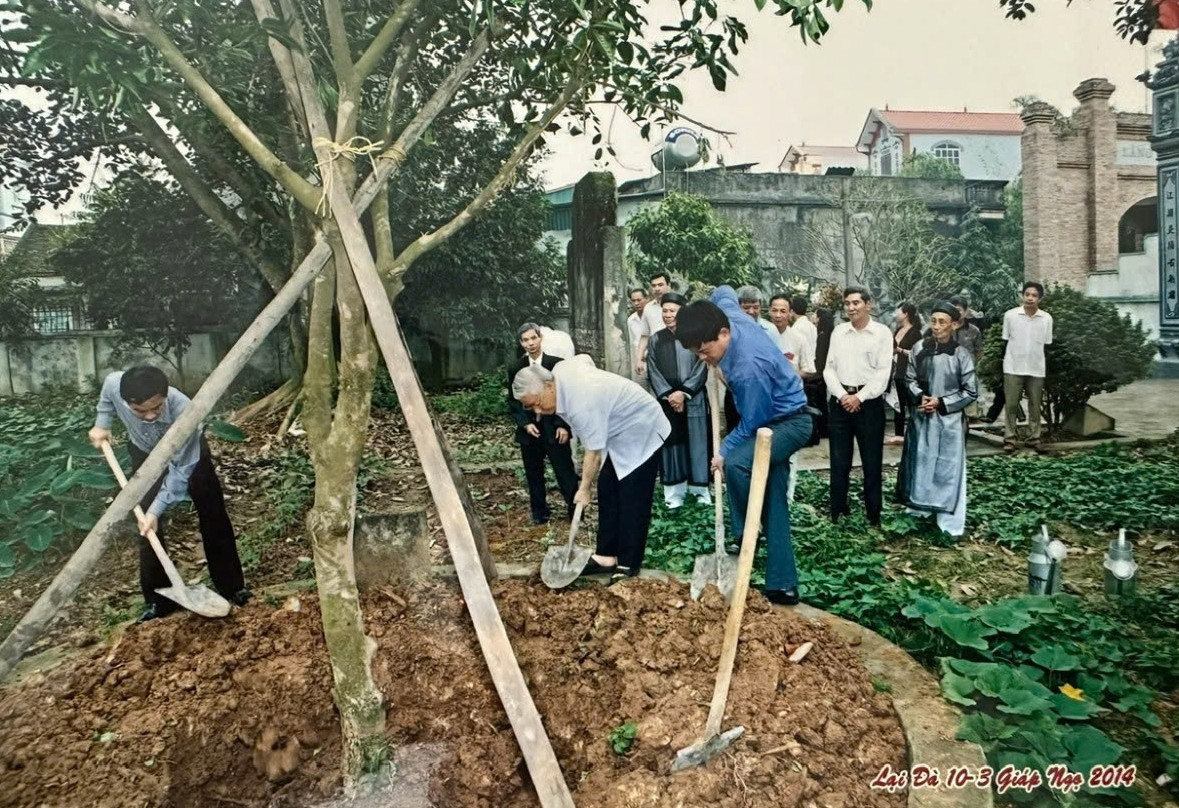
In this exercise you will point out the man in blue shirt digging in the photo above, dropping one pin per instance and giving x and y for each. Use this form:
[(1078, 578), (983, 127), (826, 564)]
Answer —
[(768, 392), (142, 399)]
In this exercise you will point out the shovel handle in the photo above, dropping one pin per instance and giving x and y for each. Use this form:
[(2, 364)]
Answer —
[(152, 539), (757, 491), (574, 524), (714, 405)]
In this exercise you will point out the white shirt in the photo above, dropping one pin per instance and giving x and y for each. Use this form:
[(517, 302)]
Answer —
[(652, 318), (556, 343), (859, 358), (1026, 338), (634, 324), (795, 347), (807, 329), (609, 414)]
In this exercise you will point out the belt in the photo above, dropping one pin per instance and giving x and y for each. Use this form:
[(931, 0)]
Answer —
[(853, 389)]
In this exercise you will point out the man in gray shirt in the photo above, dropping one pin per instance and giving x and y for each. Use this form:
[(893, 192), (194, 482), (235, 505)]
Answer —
[(142, 399)]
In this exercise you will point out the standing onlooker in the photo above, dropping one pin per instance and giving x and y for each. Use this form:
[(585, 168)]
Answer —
[(749, 298), (1027, 329), (677, 379), (857, 374), (652, 319), (769, 393), (816, 387), (792, 342), (940, 381), (968, 335), (547, 436), (634, 326), (907, 334), (802, 324)]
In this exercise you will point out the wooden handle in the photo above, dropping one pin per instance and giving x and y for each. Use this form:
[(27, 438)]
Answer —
[(757, 491), (152, 539), (574, 525), (714, 404)]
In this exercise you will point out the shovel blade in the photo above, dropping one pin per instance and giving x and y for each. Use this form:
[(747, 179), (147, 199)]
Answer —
[(719, 569), (199, 599), (562, 565)]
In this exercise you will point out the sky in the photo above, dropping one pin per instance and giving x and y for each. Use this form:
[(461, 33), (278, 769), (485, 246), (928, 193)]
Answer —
[(906, 54)]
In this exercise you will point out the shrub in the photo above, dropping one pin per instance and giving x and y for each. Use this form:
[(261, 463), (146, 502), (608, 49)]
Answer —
[(1094, 350), (486, 400)]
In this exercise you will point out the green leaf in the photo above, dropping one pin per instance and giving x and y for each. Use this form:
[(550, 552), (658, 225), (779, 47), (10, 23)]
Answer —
[(1072, 709), (1055, 658), (965, 630), (92, 478), (984, 729), (1021, 702), (958, 689), (37, 517), (1005, 618), (40, 538), (1090, 747), (223, 430), (7, 557)]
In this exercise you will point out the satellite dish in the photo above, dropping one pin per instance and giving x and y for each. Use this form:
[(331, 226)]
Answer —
[(680, 150)]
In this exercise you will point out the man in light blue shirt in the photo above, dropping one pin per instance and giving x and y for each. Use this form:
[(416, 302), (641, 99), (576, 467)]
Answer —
[(142, 399), (768, 392)]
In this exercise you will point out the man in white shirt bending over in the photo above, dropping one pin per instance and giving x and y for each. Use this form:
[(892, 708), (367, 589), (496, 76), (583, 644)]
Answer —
[(1027, 329), (859, 364), (652, 319)]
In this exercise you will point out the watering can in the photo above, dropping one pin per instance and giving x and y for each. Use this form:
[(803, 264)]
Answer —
[(1121, 573)]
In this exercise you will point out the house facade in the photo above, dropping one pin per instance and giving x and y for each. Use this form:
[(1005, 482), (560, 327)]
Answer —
[(983, 145), (805, 159)]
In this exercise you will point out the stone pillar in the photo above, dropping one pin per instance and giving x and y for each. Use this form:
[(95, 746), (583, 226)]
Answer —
[(1038, 148), (1164, 82), (87, 361), (595, 208), (1102, 149), (616, 356)]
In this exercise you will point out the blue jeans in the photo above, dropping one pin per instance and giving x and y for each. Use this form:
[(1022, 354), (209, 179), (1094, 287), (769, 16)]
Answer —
[(790, 435)]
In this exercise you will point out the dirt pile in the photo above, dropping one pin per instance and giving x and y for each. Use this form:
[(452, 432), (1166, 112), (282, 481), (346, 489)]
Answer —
[(184, 712)]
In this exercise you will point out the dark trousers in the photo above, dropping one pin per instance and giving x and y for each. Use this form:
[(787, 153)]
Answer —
[(904, 407), (225, 568), (624, 511), (866, 428), (790, 435), (534, 451)]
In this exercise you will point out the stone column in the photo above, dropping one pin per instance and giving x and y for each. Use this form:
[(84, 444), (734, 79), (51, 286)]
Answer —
[(1038, 148), (1164, 81), (595, 208), (1102, 149)]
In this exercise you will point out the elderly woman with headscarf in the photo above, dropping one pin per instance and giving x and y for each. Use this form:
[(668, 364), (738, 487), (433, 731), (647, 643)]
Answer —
[(622, 429), (677, 379), (940, 383)]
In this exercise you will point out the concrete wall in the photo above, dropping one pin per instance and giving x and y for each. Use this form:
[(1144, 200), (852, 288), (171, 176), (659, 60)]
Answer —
[(1134, 288), (81, 360), (983, 157)]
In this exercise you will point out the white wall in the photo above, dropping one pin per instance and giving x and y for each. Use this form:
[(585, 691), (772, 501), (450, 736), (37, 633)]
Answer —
[(1134, 288), (984, 157)]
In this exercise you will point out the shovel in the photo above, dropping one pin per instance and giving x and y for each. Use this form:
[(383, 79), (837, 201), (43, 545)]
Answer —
[(562, 565), (200, 598), (719, 568), (715, 741)]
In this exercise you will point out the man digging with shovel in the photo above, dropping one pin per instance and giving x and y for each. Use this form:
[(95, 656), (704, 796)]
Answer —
[(147, 406), (768, 393)]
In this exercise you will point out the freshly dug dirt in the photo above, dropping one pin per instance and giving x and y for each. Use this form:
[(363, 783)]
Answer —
[(189, 712)]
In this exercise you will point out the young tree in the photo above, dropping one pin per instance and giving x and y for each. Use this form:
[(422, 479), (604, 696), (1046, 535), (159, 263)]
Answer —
[(343, 71), (150, 265), (929, 166), (683, 235), (17, 291)]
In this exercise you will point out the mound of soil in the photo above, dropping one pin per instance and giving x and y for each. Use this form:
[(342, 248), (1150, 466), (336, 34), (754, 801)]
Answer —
[(189, 712)]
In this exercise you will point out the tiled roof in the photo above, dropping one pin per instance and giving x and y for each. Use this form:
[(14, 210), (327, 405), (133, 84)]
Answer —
[(910, 121)]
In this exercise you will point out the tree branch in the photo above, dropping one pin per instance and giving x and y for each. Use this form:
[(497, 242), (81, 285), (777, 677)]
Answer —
[(146, 27), (341, 56), (29, 81), (671, 112), (81, 149), (384, 39)]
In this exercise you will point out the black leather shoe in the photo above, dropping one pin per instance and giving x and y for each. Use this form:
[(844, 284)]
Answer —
[(783, 597), (733, 548), (594, 568), (540, 520), (241, 597), (155, 611)]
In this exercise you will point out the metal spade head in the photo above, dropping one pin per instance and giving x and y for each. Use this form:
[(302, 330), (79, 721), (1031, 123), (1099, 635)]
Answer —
[(199, 599), (562, 564), (719, 569)]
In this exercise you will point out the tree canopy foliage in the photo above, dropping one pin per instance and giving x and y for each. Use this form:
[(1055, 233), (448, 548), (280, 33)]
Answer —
[(929, 166), (683, 235)]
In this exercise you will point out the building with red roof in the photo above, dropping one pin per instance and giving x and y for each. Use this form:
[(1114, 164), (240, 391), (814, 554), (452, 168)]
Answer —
[(983, 145)]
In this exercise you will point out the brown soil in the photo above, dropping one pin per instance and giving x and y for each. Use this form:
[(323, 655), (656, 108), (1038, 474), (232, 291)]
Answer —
[(190, 712)]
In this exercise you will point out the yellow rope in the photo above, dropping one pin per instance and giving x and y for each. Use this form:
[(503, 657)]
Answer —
[(354, 147)]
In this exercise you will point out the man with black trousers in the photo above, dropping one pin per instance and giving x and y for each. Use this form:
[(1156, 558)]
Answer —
[(142, 399), (546, 436), (859, 365)]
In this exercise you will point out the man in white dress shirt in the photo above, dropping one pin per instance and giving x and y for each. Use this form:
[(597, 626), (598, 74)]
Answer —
[(793, 342), (652, 319), (634, 325), (1027, 329), (859, 365), (802, 324)]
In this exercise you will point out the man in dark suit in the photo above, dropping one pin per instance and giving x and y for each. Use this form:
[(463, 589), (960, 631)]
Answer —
[(547, 435)]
